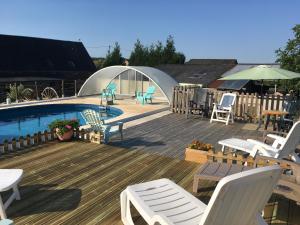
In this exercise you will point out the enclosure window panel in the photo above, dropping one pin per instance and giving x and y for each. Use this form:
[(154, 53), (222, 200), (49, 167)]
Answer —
[(139, 82), (117, 82), (158, 92), (124, 82), (145, 83), (131, 83)]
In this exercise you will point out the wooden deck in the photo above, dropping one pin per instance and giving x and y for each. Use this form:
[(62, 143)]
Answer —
[(170, 135), (80, 183)]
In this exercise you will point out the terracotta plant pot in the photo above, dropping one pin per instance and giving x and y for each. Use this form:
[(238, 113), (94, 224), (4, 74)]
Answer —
[(195, 155), (66, 136)]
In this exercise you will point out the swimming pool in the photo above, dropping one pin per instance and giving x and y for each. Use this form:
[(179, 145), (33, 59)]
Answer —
[(15, 122)]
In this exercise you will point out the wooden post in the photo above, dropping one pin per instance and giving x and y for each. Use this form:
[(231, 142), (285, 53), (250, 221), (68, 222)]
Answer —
[(256, 107), (46, 136), (39, 137), (27, 141), (9, 146), (75, 87), (13, 142), (16, 92), (32, 139), (2, 148), (173, 99), (21, 142), (76, 133), (53, 135), (36, 91), (86, 135), (62, 89), (5, 145), (187, 102)]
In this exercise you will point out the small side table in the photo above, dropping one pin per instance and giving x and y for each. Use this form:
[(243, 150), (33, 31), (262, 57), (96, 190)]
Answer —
[(274, 113), (287, 184), (216, 171)]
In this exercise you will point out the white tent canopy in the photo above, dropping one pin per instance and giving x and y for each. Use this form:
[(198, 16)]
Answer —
[(99, 80)]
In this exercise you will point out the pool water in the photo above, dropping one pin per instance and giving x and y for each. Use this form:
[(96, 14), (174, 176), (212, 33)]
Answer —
[(15, 122)]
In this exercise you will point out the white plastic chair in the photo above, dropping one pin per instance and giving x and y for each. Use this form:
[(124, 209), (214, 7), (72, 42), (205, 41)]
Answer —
[(281, 147), (238, 199), (9, 179), (223, 112), (6, 222)]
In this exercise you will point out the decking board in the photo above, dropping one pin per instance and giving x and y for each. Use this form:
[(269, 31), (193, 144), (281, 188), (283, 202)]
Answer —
[(80, 183)]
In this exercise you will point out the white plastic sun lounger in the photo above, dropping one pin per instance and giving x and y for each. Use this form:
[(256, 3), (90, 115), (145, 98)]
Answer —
[(248, 146), (237, 200), (9, 179), (281, 147)]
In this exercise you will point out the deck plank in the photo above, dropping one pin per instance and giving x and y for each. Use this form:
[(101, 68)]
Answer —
[(80, 183)]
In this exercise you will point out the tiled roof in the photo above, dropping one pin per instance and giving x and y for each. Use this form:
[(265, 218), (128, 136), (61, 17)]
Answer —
[(196, 73), (39, 57)]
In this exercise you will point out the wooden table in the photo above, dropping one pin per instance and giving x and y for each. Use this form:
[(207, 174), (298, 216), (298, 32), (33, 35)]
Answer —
[(274, 113), (287, 185), (215, 172)]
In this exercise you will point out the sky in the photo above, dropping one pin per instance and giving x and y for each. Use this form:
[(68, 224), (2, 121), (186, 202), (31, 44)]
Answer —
[(249, 31)]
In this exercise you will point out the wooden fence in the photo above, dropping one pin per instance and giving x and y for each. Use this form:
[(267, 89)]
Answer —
[(40, 138), (247, 106), (259, 161)]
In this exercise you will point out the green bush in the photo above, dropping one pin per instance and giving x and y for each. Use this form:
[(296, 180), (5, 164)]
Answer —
[(19, 93)]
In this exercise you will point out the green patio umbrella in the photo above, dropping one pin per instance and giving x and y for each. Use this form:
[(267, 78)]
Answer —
[(261, 73)]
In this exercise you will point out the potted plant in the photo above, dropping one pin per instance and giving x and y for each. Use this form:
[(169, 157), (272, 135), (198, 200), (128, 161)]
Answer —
[(197, 151), (64, 128)]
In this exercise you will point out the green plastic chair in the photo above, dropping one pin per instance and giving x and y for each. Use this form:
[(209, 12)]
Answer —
[(110, 91), (147, 96)]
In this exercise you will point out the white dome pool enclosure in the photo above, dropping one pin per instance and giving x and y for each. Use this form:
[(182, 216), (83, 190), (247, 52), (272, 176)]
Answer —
[(130, 80)]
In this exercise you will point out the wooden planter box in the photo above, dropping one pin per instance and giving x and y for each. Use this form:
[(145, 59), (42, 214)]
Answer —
[(195, 155)]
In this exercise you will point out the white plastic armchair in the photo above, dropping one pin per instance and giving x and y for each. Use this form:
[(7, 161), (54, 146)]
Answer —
[(238, 199), (9, 179), (277, 140), (282, 147), (223, 112)]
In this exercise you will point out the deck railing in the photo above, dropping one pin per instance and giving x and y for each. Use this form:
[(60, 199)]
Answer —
[(247, 106), (63, 88)]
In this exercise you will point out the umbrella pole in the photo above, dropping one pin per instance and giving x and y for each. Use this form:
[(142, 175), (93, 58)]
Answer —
[(260, 105)]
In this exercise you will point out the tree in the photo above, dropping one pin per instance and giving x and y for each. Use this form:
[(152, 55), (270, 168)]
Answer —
[(169, 51), (289, 58), (156, 54), (114, 57), (139, 55), (98, 62)]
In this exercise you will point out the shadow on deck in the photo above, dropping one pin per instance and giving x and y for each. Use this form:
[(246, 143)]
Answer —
[(80, 183), (170, 135)]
